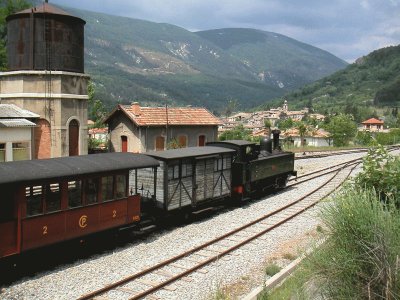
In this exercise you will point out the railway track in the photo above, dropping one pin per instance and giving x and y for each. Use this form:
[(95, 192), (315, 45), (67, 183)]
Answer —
[(321, 172), (330, 153), (142, 284)]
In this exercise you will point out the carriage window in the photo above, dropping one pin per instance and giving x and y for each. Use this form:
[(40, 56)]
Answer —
[(120, 186), (222, 164), (53, 197), (186, 170), (74, 193), (173, 172), (107, 188), (91, 188), (227, 162), (248, 150), (218, 164), (34, 196)]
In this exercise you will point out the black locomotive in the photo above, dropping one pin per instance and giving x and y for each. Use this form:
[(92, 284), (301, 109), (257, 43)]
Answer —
[(257, 169)]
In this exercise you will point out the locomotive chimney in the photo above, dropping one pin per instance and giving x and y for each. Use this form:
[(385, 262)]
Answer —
[(275, 134), (265, 146)]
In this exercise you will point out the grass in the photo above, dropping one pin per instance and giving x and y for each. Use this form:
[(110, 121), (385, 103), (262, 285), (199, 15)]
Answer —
[(289, 256), (292, 288), (272, 269), (360, 258)]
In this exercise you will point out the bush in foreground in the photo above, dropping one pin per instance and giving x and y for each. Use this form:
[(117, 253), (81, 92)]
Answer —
[(360, 258), (381, 171)]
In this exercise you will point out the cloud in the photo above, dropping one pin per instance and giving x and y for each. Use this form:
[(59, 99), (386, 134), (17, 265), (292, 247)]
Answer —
[(348, 29)]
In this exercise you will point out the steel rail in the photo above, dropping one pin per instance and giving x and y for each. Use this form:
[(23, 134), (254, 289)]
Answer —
[(357, 150)]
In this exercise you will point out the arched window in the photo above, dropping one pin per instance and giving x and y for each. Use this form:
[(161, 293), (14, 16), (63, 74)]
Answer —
[(73, 134), (160, 143), (124, 143)]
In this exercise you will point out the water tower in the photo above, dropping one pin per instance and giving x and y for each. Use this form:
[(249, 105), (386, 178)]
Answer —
[(45, 75)]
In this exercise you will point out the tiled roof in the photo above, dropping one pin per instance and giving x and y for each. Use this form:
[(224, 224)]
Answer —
[(372, 121), (16, 123), (156, 116), (9, 111), (98, 130)]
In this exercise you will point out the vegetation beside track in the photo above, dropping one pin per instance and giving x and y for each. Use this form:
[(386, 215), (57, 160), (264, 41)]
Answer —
[(360, 258)]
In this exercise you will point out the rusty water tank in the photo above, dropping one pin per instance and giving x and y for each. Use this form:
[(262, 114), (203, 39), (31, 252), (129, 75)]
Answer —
[(45, 38)]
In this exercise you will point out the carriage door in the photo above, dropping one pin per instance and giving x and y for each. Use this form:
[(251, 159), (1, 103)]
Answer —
[(8, 221), (205, 179)]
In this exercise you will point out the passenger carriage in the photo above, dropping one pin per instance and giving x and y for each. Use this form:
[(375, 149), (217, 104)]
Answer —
[(47, 201)]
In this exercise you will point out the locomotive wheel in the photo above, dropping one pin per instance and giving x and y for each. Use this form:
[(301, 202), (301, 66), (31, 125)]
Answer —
[(282, 182)]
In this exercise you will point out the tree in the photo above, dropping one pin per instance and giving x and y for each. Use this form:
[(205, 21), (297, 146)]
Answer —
[(309, 105), (7, 7), (285, 124), (96, 108), (174, 144), (342, 129), (395, 112), (237, 133), (268, 125), (302, 131)]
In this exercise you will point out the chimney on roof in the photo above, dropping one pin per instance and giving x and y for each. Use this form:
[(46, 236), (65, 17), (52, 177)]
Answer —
[(135, 107)]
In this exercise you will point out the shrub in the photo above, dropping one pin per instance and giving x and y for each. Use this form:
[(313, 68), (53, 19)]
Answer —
[(360, 259), (289, 256), (272, 269), (381, 171)]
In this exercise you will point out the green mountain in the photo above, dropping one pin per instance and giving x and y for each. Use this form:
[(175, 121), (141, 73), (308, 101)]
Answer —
[(372, 81), (153, 63)]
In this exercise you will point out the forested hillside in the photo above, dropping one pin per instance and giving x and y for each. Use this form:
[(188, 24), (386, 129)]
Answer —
[(372, 82)]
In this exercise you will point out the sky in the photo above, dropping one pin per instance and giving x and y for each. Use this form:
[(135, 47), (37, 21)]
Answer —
[(348, 29)]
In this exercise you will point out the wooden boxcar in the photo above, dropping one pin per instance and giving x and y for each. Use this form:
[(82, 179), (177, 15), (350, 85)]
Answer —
[(52, 200), (190, 177)]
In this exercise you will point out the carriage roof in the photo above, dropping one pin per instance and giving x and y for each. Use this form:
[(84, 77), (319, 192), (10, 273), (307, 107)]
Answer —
[(64, 167), (189, 152)]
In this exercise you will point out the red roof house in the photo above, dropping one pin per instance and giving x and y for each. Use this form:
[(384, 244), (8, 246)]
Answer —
[(372, 125), (139, 129)]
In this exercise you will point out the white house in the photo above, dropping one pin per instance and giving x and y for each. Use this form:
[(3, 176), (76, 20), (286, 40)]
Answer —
[(316, 138), (16, 133)]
